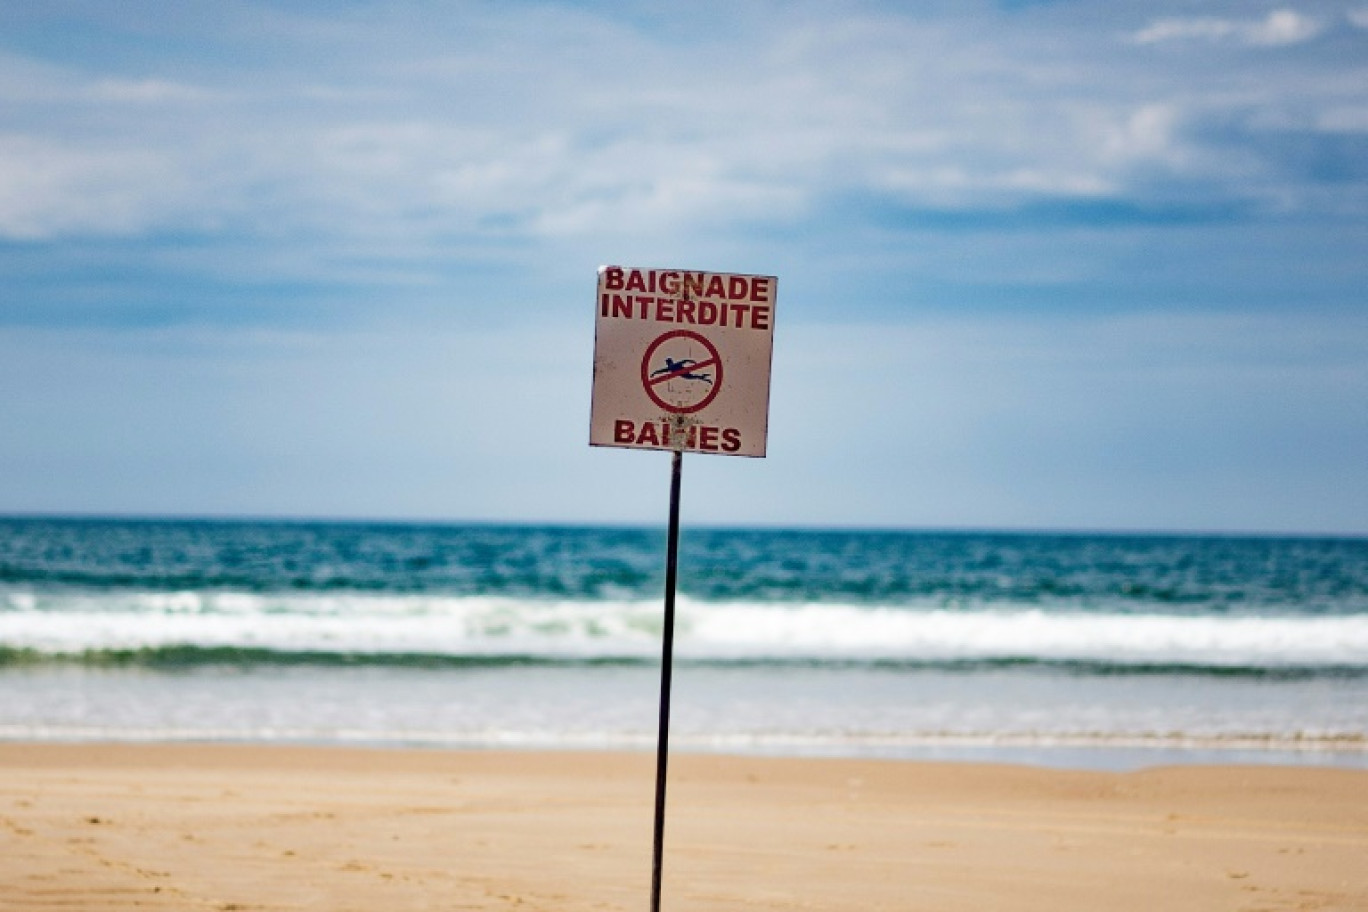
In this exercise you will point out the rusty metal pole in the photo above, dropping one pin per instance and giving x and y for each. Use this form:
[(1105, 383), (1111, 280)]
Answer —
[(666, 672)]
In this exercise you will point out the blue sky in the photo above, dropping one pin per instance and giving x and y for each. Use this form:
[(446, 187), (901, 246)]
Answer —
[(1052, 265)]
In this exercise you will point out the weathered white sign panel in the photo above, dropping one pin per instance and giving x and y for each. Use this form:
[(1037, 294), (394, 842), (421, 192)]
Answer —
[(682, 360)]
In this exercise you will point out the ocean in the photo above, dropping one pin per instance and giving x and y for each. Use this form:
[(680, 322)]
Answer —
[(1085, 650)]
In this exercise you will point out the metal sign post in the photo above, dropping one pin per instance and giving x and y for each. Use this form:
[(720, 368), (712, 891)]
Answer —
[(666, 673), (681, 362)]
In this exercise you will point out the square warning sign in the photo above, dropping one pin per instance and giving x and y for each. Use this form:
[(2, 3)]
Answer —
[(682, 360)]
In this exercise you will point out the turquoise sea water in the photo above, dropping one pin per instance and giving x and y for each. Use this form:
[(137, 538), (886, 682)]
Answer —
[(1100, 650)]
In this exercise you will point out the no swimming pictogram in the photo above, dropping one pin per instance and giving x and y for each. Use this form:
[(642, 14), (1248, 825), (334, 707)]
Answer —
[(681, 371)]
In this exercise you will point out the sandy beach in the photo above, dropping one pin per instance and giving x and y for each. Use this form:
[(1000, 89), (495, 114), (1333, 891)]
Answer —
[(101, 827)]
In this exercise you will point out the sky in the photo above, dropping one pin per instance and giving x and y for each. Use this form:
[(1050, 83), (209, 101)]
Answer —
[(1041, 265)]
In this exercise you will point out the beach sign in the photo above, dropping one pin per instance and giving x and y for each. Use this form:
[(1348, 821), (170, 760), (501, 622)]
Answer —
[(681, 363), (682, 360)]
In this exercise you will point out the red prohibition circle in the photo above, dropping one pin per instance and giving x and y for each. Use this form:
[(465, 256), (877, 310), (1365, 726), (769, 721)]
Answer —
[(649, 382)]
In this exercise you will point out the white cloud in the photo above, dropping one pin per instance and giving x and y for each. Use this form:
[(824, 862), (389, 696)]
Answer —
[(1347, 119), (1173, 29), (35, 82), (1279, 27), (145, 91), (558, 123), (1282, 27), (1147, 133), (49, 189)]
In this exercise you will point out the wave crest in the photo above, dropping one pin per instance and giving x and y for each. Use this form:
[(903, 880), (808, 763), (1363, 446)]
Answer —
[(354, 625)]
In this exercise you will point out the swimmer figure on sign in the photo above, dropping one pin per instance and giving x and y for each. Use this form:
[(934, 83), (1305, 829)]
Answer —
[(675, 367)]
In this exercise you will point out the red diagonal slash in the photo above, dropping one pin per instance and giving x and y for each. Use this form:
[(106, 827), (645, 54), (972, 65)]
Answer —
[(692, 368)]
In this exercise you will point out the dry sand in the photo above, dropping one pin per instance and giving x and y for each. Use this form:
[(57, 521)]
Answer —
[(96, 827)]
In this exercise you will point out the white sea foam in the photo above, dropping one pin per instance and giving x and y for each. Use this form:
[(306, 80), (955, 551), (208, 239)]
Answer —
[(481, 626)]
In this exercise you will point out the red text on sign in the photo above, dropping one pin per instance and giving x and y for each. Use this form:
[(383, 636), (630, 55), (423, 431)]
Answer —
[(657, 434), (677, 283), (682, 310)]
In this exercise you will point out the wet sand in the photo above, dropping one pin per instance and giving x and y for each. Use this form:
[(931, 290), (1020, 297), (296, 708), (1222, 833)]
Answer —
[(190, 827)]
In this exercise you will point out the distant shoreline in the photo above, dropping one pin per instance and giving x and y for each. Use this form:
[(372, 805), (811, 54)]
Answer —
[(1112, 755)]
